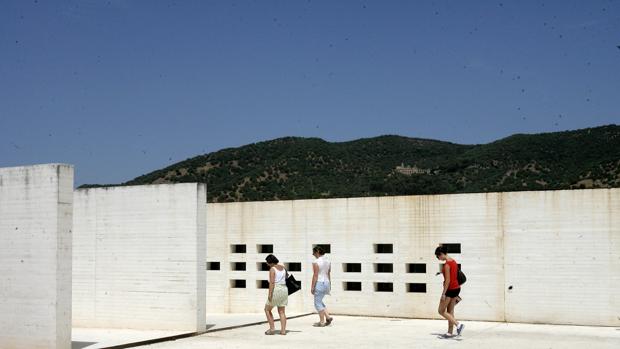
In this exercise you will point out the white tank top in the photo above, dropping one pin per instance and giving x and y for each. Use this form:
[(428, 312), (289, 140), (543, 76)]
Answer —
[(280, 278), (324, 266)]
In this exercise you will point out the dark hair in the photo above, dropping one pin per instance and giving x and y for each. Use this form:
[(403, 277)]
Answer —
[(271, 259), (441, 249), (318, 249)]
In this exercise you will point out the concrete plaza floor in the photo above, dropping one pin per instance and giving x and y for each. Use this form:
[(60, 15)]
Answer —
[(367, 332), (97, 338)]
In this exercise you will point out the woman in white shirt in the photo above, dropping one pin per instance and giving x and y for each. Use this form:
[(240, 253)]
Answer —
[(321, 285), (278, 294)]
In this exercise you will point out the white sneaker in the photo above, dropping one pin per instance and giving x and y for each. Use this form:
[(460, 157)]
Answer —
[(459, 329)]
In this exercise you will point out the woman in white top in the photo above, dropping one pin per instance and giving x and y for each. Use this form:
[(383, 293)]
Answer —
[(278, 294), (321, 285)]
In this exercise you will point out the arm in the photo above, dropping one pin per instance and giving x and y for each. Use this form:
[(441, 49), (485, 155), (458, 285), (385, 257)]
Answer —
[(446, 280), (329, 277), (315, 276), (272, 282)]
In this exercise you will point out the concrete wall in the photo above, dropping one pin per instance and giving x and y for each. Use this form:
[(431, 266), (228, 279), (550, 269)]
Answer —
[(139, 257), (562, 257), (414, 225), (502, 238), (35, 256)]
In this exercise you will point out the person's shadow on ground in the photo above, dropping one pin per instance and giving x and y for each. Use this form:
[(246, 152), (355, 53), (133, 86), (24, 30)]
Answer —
[(441, 336)]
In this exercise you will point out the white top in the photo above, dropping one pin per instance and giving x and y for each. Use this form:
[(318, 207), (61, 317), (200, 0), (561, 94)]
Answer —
[(324, 267), (280, 278)]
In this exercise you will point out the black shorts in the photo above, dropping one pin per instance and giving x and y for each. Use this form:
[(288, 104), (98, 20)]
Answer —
[(453, 293)]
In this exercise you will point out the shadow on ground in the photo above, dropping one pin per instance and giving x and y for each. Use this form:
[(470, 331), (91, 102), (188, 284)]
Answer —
[(80, 345), (441, 336)]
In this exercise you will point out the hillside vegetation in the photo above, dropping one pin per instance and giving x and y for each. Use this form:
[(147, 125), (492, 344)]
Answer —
[(308, 168)]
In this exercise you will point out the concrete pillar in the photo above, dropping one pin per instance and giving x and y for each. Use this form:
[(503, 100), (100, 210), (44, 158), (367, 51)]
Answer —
[(35, 256)]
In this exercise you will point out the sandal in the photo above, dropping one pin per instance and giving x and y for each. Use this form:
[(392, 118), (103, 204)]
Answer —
[(319, 324), (270, 332), (283, 334), (329, 321)]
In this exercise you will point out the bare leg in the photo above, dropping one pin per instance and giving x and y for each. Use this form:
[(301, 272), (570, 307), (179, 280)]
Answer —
[(282, 314), (270, 317), (322, 316), (451, 312), (443, 306), (328, 318)]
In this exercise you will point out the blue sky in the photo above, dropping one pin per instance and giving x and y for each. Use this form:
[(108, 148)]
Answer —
[(121, 88)]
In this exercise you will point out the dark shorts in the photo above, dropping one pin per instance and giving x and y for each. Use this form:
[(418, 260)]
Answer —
[(453, 293)]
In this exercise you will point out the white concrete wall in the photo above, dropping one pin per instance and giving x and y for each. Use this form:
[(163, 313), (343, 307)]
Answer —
[(139, 257), (413, 224), (35, 256), (488, 227), (562, 257)]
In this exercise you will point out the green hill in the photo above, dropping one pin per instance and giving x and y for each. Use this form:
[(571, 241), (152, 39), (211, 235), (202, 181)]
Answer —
[(307, 168)]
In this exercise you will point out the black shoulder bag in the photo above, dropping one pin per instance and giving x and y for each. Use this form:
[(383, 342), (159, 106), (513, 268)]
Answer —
[(292, 284), (460, 277)]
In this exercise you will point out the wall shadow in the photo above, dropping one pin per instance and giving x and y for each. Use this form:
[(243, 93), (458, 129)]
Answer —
[(80, 345)]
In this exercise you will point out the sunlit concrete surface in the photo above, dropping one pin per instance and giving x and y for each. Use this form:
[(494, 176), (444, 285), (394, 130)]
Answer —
[(138, 257), (216, 322), (95, 338), (509, 245), (366, 332), (35, 256)]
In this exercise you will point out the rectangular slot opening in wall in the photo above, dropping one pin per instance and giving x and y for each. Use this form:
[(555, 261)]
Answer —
[(293, 266), (262, 284), (352, 267), (237, 266), (352, 286), (213, 265), (237, 283), (416, 268), (452, 248), (416, 288), (238, 249), (384, 287), (327, 248), (264, 248), (384, 268), (384, 248), (262, 266), (441, 268)]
